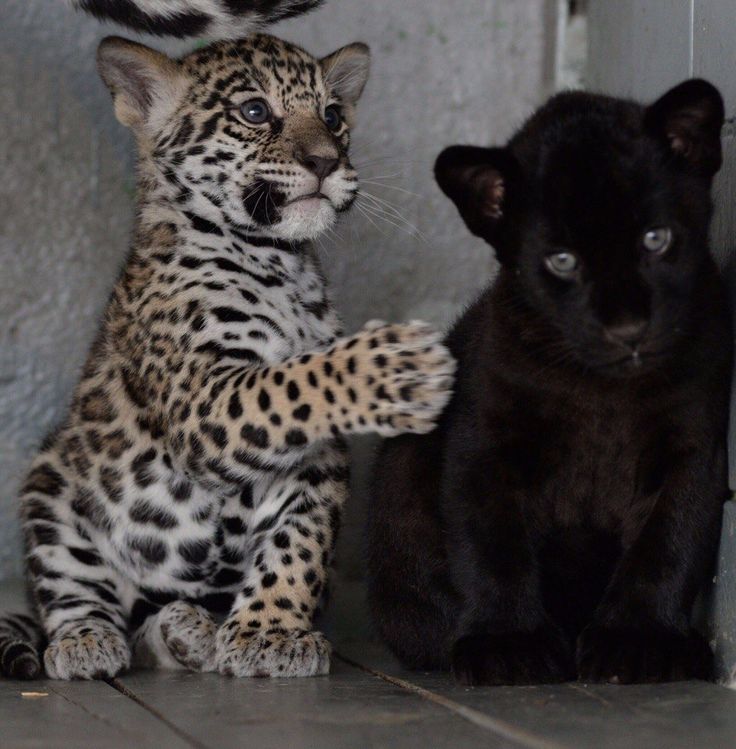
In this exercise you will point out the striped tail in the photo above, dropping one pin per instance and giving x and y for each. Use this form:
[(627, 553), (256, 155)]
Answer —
[(21, 643), (213, 19)]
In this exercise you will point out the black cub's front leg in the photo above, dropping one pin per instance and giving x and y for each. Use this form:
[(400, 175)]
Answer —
[(538, 656), (503, 635), (633, 654), (641, 630)]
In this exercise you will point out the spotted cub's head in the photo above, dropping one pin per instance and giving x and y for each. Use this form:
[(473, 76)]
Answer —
[(252, 133)]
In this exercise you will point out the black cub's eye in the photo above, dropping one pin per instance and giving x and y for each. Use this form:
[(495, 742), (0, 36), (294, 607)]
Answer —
[(333, 117), (256, 111), (562, 264), (657, 240)]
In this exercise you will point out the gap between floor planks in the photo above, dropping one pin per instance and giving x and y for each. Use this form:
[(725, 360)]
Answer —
[(131, 695), (500, 728)]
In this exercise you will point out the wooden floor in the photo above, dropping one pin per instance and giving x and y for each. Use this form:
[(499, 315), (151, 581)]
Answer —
[(367, 701)]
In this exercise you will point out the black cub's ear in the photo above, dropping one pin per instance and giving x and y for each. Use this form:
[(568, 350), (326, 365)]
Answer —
[(690, 117), (477, 180)]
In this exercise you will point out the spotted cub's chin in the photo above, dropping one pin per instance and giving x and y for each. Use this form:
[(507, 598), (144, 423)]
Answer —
[(306, 219)]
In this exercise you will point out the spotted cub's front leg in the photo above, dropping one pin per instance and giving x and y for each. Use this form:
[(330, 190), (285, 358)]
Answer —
[(387, 379), (269, 631)]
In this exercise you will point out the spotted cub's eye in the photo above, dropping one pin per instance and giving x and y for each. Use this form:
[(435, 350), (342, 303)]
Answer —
[(333, 117), (256, 111), (562, 264), (657, 240)]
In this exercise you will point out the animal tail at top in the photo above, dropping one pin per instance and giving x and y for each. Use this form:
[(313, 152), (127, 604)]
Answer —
[(214, 19)]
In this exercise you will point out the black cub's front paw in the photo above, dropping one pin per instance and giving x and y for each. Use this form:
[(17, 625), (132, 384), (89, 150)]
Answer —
[(628, 656), (539, 657)]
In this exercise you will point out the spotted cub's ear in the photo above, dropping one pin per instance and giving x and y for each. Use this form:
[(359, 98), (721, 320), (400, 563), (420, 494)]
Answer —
[(480, 181), (689, 118), (346, 72), (146, 86)]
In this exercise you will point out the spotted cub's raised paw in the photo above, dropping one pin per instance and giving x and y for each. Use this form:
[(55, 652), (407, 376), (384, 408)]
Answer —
[(294, 653), (87, 650), (408, 373)]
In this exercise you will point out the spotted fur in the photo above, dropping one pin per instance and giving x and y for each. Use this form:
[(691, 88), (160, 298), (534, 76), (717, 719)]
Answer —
[(214, 19), (187, 507)]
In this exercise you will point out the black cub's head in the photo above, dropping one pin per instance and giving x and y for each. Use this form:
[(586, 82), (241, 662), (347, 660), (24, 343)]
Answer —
[(600, 209)]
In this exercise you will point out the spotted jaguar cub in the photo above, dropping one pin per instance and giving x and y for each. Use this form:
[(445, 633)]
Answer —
[(185, 512)]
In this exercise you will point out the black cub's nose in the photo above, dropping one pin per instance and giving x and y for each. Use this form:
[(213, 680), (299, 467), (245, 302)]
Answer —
[(322, 166), (629, 333)]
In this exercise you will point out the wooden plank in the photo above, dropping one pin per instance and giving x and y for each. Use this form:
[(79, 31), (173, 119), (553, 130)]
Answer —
[(82, 715), (73, 714), (639, 48), (350, 709), (665, 716), (163, 709)]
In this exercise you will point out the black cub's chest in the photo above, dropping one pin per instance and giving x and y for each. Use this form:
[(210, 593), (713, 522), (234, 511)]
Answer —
[(594, 459)]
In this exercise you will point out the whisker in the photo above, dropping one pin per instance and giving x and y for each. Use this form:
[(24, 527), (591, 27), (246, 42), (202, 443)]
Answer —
[(390, 187), (384, 209), (362, 209), (403, 225)]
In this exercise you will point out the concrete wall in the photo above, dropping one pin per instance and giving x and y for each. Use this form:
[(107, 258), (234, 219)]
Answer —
[(443, 72)]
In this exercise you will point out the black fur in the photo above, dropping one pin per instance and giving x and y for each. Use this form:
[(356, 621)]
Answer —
[(563, 516)]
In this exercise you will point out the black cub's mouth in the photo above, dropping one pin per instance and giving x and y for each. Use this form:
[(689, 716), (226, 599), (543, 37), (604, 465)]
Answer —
[(633, 363)]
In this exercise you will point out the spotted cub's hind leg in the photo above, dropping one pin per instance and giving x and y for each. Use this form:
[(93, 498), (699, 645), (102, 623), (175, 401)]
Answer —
[(179, 636)]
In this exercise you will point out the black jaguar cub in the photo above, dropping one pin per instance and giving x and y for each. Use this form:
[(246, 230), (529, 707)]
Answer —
[(561, 520)]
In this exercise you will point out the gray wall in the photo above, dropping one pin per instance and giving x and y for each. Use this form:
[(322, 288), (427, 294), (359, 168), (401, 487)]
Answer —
[(443, 72), (656, 45)]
